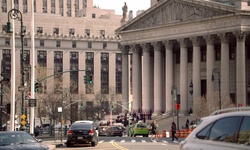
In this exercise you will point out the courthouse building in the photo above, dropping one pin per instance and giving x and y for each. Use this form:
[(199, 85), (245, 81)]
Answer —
[(69, 35), (178, 42)]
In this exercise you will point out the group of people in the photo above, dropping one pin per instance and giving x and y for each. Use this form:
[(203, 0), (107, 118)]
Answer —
[(153, 128), (141, 115)]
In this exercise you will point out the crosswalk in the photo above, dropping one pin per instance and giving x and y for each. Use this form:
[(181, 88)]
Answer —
[(136, 141)]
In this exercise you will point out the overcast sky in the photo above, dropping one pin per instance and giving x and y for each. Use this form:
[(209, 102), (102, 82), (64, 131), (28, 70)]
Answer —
[(118, 4)]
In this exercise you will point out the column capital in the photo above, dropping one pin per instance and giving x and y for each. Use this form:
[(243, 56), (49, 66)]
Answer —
[(209, 39), (240, 35), (146, 47), (183, 42), (124, 49), (135, 48), (196, 41), (168, 45), (157, 46), (224, 37)]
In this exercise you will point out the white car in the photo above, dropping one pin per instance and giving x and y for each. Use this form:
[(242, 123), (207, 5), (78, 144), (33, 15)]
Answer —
[(221, 131)]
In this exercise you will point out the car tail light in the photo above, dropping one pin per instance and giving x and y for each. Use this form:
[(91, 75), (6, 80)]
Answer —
[(69, 132), (91, 132)]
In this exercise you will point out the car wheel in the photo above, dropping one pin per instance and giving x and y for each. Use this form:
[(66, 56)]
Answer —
[(69, 144), (146, 135), (135, 135), (93, 143)]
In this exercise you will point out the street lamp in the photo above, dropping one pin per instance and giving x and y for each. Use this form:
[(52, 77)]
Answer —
[(174, 94), (1, 113), (17, 15), (217, 70)]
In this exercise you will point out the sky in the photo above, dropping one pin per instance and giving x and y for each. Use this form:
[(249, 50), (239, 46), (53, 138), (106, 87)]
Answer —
[(118, 4)]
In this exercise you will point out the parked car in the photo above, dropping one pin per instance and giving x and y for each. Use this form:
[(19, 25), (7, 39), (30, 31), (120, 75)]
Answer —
[(16, 140), (82, 133), (102, 130), (114, 131), (222, 130), (139, 128)]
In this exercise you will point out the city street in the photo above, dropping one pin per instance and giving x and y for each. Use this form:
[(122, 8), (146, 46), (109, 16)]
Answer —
[(129, 143)]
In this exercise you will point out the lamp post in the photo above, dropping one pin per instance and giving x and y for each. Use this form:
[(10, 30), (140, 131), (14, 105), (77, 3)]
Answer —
[(217, 70), (17, 15), (1, 113), (174, 94)]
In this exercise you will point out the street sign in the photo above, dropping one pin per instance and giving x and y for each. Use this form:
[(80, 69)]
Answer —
[(23, 122), (32, 102), (23, 116)]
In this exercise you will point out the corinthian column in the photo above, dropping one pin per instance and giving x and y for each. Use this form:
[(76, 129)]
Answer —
[(169, 76), (183, 75), (136, 77), (241, 68), (225, 93), (146, 77), (157, 78), (125, 78), (196, 69), (210, 63)]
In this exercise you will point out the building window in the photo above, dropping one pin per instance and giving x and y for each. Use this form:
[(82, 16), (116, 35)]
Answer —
[(4, 28), (76, 7), (16, 4), (58, 43), (25, 6), (39, 30), (6, 64), (87, 32), (118, 73), (7, 41), (56, 30), (41, 43), (73, 44), (25, 42), (102, 32), (4, 5), (104, 73), (34, 5), (89, 61), (74, 61), (104, 45), (61, 7), (93, 15), (42, 58), (58, 67), (71, 31), (53, 6), (44, 6), (89, 44)]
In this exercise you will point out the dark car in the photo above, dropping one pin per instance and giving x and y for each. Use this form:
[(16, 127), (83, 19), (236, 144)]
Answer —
[(82, 133), (20, 140), (114, 131), (102, 130)]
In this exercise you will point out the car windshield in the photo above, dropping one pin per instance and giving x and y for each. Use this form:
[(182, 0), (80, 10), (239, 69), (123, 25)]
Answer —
[(13, 138), (141, 125), (81, 126)]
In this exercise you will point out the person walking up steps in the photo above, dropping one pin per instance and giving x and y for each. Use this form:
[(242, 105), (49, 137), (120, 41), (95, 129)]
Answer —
[(173, 129), (153, 127)]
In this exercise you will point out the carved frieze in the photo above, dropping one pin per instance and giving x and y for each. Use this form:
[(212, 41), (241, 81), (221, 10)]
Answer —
[(175, 10)]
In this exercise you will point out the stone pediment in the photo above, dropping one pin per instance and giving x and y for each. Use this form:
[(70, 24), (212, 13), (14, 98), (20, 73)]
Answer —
[(170, 11)]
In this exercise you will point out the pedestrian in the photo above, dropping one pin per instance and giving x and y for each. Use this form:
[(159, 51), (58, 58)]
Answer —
[(187, 124), (173, 129), (153, 127)]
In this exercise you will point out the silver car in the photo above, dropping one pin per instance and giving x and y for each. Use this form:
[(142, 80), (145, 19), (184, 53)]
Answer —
[(221, 131)]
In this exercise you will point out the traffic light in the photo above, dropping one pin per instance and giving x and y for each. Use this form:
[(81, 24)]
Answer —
[(177, 106), (85, 79), (36, 87), (90, 79)]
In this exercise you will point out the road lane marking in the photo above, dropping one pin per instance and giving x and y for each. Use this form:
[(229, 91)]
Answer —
[(133, 141), (112, 141), (118, 146), (122, 141), (101, 141), (143, 141)]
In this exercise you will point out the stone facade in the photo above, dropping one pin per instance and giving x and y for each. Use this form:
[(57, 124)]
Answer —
[(195, 37)]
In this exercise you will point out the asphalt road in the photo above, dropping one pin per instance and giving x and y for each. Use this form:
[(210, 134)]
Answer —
[(129, 143)]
